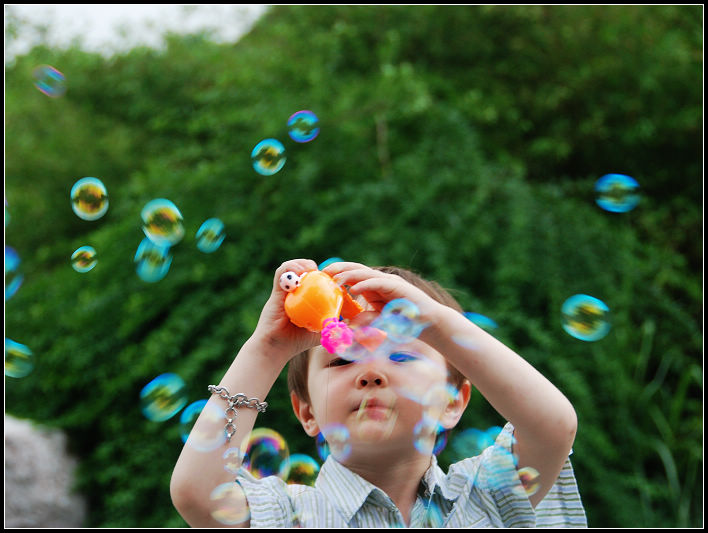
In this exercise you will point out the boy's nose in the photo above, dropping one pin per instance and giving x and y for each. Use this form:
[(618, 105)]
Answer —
[(371, 377)]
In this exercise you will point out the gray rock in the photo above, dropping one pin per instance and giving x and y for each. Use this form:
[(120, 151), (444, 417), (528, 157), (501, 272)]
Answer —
[(39, 476)]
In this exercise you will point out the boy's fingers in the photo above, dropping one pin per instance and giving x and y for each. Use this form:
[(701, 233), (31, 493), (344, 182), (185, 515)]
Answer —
[(343, 266), (299, 266)]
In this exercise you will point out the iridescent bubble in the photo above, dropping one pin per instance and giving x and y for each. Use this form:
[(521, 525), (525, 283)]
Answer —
[(303, 126), (19, 359), (162, 222), (264, 452), (89, 198), (13, 277), (49, 81), (84, 259), (530, 479), (211, 433), (585, 317), (163, 397), (268, 157), (210, 235), (470, 443), (300, 469), (617, 193), (233, 459), (188, 417), (481, 320), (400, 319), (324, 264), (229, 505), (152, 261), (425, 435), (334, 439), (501, 469)]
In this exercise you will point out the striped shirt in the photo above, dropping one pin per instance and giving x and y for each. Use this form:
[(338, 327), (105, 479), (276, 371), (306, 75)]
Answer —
[(481, 491)]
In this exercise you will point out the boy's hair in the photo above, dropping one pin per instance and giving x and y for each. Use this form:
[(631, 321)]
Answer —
[(298, 366)]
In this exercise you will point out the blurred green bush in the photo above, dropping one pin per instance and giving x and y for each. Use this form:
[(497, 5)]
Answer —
[(460, 141)]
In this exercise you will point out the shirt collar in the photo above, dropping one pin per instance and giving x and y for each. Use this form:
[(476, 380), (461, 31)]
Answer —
[(348, 491)]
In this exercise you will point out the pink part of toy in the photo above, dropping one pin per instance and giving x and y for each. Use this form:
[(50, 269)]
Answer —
[(336, 336)]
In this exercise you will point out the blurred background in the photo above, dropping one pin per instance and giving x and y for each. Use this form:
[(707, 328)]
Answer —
[(463, 142)]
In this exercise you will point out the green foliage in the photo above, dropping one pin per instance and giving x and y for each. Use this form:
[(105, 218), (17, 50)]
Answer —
[(462, 142)]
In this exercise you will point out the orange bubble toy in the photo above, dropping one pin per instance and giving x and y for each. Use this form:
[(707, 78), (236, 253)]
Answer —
[(317, 303)]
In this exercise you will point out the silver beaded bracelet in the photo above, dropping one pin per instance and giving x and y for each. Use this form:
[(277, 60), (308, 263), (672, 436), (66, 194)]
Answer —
[(237, 400)]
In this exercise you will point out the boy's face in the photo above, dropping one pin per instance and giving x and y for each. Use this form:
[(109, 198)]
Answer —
[(394, 398)]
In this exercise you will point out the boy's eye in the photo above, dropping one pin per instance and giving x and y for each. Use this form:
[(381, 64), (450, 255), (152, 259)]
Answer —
[(339, 362), (402, 357)]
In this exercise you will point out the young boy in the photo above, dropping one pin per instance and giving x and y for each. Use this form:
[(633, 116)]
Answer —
[(380, 416)]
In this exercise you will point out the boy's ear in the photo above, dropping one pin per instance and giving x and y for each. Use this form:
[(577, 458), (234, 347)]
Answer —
[(304, 414), (453, 411)]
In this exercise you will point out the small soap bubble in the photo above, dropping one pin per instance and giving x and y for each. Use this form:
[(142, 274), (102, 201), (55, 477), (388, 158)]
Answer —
[(264, 452), (334, 439), (152, 261), (49, 81), (89, 198), (530, 479), (162, 222), (268, 157), (84, 259), (229, 505), (19, 359), (300, 469), (501, 469), (163, 397), (188, 417), (210, 235), (585, 317), (482, 321), (233, 459), (425, 436), (324, 264), (400, 319), (13, 277), (617, 193), (303, 126), (470, 443)]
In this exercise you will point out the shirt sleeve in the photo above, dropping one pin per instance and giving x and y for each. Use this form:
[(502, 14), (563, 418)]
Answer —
[(268, 500), (496, 489)]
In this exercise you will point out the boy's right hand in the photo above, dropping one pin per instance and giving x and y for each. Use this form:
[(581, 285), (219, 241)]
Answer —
[(281, 337)]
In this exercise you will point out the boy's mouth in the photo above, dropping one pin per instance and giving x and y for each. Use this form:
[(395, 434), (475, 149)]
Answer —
[(374, 408)]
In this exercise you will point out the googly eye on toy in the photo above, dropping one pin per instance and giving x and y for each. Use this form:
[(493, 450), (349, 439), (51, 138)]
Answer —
[(289, 281)]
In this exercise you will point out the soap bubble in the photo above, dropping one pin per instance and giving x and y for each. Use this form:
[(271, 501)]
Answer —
[(19, 359), (229, 505), (13, 277), (233, 459), (152, 261), (162, 222), (89, 198), (425, 436), (334, 439), (268, 157), (84, 259), (264, 452), (324, 264), (530, 479), (617, 193), (212, 421), (400, 319), (501, 469), (472, 442), (188, 417), (49, 81), (585, 318), (163, 397), (210, 235), (300, 469), (303, 126), (481, 320)]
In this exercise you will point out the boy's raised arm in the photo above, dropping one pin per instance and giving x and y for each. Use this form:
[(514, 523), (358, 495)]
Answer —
[(544, 420), (253, 372)]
